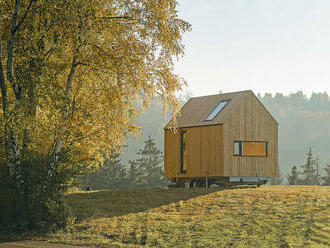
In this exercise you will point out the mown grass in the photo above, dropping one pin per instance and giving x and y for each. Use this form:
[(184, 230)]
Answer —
[(269, 216)]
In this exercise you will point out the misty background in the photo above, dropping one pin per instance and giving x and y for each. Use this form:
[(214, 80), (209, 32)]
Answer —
[(279, 49), (304, 122)]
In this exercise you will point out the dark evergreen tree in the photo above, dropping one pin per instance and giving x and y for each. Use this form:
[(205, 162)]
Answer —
[(137, 175), (317, 167), (147, 170), (326, 178), (293, 178), (112, 175), (309, 170)]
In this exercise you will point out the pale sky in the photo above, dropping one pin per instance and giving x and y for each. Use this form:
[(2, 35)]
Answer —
[(262, 45)]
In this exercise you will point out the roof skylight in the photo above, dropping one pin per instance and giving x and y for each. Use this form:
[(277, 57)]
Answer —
[(216, 111)]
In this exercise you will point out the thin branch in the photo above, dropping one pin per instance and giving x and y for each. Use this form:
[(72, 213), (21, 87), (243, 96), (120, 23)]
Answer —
[(11, 41), (81, 63), (3, 85), (48, 54), (119, 17), (69, 83), (130, 18), (74, 98), (24, 16), (81, 138)]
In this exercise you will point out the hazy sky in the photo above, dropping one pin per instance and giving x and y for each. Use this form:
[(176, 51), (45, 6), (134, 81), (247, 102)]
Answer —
[(263, 45)]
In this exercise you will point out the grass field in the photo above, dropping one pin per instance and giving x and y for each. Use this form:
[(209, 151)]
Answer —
[(269, 216)]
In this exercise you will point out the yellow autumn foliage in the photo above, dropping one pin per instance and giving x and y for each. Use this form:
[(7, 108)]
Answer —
[(79, 66)]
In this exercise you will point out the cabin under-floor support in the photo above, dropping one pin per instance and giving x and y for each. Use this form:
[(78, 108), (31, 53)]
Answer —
[(207, 181)]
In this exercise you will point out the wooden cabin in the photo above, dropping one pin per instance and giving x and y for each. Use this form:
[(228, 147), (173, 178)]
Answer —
[(223, 138)]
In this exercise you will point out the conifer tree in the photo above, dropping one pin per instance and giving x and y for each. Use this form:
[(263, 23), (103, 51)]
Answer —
[(113, 173), (137, 175), (317, 167), (309, 171), (293, 177), (148, 168), (109, 176), (152, 158), (326, 178)]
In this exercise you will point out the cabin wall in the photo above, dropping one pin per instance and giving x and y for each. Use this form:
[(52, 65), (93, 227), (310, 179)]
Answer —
[(250, 121), (204, 152)]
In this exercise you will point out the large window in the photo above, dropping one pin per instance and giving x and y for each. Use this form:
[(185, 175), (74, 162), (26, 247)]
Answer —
[(183, 165), (216, 111), (250, 148)]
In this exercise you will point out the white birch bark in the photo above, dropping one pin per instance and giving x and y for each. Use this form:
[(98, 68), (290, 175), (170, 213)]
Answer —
[(13, 144), (9, 164), (65, 114)]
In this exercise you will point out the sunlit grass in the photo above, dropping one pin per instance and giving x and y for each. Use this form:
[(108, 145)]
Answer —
[(269, 216)]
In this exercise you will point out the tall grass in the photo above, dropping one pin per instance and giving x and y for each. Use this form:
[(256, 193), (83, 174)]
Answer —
[(269, 216)]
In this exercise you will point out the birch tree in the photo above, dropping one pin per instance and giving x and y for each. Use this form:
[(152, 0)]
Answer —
[(69, 73)]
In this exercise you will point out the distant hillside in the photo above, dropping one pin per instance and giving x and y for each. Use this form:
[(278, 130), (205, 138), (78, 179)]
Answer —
[(304, 122)]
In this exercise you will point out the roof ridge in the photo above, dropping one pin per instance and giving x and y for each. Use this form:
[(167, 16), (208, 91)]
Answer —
[(233, 92)]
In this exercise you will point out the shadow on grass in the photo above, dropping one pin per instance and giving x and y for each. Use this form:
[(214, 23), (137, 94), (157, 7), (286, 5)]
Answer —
[(18, 236), (104, 204)]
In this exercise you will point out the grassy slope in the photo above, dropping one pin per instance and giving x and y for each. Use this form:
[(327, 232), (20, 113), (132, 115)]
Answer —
[(269, 216)]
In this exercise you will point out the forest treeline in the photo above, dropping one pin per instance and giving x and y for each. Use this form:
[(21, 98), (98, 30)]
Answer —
[(309, 173), (304, 122)]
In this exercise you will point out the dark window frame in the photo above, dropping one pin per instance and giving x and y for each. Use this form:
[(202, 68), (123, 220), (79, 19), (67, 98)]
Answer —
[(182, 149), (241, 148), (206, 118)]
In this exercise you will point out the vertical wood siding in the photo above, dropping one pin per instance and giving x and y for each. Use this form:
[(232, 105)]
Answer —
[(250, 121), (171, 153), (204, 150)]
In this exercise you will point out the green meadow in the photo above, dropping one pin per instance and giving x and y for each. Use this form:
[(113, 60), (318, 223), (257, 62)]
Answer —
[(268, 216)]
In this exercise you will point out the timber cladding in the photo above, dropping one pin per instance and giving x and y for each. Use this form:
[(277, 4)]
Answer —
[(203, 152), (200, 147), (250, 121)]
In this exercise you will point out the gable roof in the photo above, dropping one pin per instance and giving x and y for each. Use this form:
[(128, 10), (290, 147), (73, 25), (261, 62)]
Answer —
[(197, 109)]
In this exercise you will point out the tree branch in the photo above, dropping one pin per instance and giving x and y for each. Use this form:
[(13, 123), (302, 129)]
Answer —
[(4, 109), (69, 83), (130, 18), (24, 16), (119, 17), (11, 42), (3, 84)]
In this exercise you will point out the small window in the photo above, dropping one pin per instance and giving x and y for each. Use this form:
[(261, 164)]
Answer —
[(250, 148), (238, 148), (216, 111)]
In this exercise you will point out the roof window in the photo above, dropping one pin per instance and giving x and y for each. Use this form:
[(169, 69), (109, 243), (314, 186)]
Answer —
[(216, 110)]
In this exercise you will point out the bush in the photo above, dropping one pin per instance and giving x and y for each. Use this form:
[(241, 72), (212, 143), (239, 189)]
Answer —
[(37, 207)]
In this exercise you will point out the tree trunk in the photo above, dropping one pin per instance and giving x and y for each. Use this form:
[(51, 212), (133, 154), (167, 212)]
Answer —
[(3, 86), (14, 170), (65, 114)]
